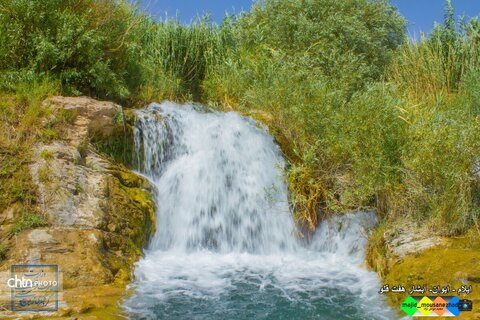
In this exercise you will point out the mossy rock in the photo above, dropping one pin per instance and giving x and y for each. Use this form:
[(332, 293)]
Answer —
[(128, 178), (455, 263), (131, 211)]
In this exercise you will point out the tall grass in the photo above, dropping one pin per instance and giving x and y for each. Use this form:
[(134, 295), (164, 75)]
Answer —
[(437, 80), (439, 63), (177, 58), (365, 117)]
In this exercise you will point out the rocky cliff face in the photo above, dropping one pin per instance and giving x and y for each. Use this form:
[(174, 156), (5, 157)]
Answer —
[(98, 214)]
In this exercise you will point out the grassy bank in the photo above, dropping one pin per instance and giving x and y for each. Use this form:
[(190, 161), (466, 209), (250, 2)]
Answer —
[(20, 128), (366, 117)]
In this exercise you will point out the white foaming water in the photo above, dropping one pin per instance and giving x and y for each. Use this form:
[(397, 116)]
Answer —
[(226, 245)]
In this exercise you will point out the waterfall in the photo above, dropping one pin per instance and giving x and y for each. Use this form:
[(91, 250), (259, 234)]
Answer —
[(226, 244)]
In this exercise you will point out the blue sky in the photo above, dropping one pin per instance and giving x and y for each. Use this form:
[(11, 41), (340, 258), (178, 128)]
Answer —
[(421, 14), (186, 10)]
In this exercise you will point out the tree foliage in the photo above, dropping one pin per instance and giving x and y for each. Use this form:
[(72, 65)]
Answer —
[(331, 34), (89, 45)]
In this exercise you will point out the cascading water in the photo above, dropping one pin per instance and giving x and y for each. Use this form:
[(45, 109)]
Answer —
[(225, 245)]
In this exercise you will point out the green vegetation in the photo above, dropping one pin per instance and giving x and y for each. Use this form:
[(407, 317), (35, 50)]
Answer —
[(28, 221), (365, 117), (369, 121), (46, 154), (20, 128), (178, 58), (3, 252), (84, 44)]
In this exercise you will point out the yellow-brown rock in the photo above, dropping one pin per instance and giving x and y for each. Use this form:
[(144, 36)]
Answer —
[(99, 214)]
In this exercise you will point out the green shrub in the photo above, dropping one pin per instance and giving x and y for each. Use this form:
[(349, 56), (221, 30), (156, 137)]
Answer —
[(335, 36), (87, 45)]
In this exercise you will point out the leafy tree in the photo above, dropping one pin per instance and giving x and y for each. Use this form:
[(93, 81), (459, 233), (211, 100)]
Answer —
[(329, 33)]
